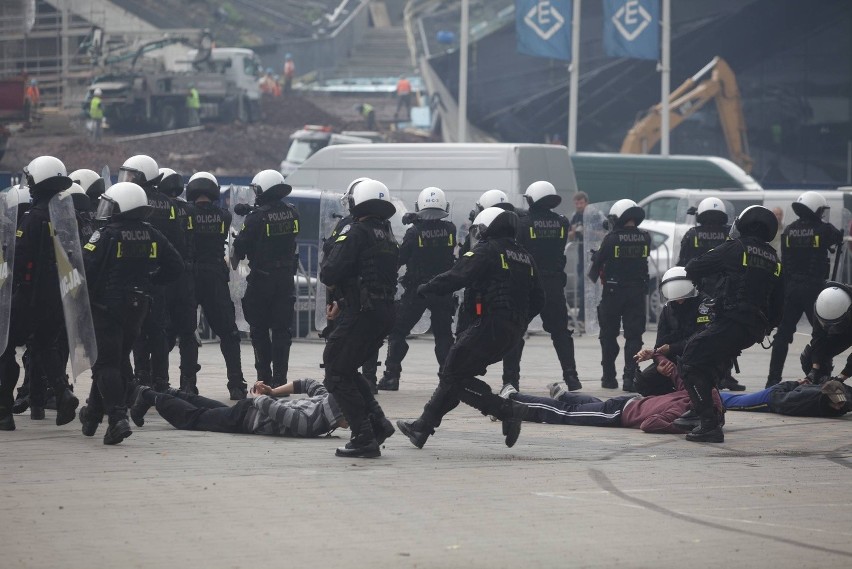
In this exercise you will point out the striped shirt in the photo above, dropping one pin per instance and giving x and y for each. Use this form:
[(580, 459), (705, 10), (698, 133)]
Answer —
[(312, 416)]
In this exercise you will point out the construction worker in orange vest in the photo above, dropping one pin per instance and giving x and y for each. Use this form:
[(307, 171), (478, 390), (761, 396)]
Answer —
[(32, 99), (403, 94)]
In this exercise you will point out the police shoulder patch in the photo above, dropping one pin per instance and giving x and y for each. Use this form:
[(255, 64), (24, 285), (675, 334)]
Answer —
[(95, 237), (469, 254)]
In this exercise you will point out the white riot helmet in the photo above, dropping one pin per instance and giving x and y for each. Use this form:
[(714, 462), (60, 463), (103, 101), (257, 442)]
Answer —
[(202, 184), (432, 204), (345, 198), (171, 183), (542, 194), (811, 205), (90, 181), (832, 309), (623, 211), (98, 92), (494, 222), (124, 200), (676, 285), (46, 176), (271, 185), (78, 197), (711, 211), (371, 197), (141, 170), (493, 198)]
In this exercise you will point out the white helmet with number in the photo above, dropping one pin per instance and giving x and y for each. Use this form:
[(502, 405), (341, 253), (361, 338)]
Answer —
[(542, 194), (624, 210), (46, 176), (676, 285), (494, 222), (832, 309), (125, 200), (202, 184), (810, 204), (271, 184), (371, 197), (141, 170), (493, 198), (712, 211), (432, 204)]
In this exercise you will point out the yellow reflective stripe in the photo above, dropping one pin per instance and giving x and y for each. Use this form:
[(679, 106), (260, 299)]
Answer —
[(117, 251), (296, 225), (469, 254), (243, 227), (745, 259), (702, 319), (222, 228), (617, 248), (816, 240), (89, 246), (419, 241), (787, 241), (562, 233), (503, 261), (189, 223), (645, 254), (778, 270), (267, 230), (532, 233), (153, 253), (172, 213), (341, 238), (19, 233), (50, 229), (696, 241), (451, 240)]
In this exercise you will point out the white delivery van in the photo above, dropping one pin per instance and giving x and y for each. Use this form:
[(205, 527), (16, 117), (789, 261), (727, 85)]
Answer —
[(464, 171)]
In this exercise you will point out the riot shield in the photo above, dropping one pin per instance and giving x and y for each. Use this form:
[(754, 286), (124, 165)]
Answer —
[(595, 228), (841, 267), (332, 211), (8, 225), (82, 345), (237, 282), (425, 321)]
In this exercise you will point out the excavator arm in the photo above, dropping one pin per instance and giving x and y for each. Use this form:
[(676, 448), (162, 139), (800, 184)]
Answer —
[(686, 100)]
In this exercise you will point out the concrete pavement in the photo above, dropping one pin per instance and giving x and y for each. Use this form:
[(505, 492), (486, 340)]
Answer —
[(777, 493)]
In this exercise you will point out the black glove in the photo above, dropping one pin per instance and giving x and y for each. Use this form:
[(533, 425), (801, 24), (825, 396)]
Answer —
[(409, 218), (422, 291)]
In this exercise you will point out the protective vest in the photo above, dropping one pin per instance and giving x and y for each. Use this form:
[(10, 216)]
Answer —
[(276, 244), (506, 286), (193, 101), (403, 87), (378, 259), (700, 239), (86, 225), (680, 321), (96, 111), (210, 230), (626, 251), (366, 109), (132, 256), (433, 252), (164, 218), (328, 242), (544, 233), (747, 290), (184, 220), (804, 249)]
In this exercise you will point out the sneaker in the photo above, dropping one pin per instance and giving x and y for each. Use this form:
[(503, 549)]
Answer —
[(417, 438), (512, 423), (237, 392), (117, 432), (140, 405), (731, 384), (89, 421), (556, 389), (7, 423), (609, 383), (388, 383), (66, 409), (507, 391)]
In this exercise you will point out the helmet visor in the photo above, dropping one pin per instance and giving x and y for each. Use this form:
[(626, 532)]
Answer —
[(106, 207), (129, 175)]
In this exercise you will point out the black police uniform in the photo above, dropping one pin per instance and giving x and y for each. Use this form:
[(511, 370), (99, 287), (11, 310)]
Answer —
[(749, 305), (210, 226), (124, 261), (362, 268), (506, 293), (181, 306), (151, 351), (268, 239), (677, 323), (697, 241), (622, 265), (369, 368), (805, 245), (825, 346), (544, 233), (428, 249)]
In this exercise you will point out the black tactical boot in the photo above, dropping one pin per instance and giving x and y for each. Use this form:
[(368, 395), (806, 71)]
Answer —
[(609, 383), (7, 422), (416, 431), (388, 383), (627, 384), (513, 416), (731, 384), (708, 431), (140, 405), (572, 381), (363, 444), (90, 421), (382, 428), (237, 387), (36, 413), (66, 407), (117, 432), (160, 385), (21, 405), (188, 384)]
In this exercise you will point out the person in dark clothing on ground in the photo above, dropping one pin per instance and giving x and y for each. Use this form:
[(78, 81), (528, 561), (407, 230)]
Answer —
[(123, 260), (36, 317), (362, 266), (502, 280), (428, 249), (268, 239), (210, 225), (313, 416), (621, 264), (685, 313), (544, 233), (831, 334), (805, 247), (748, 307), (796, 398)]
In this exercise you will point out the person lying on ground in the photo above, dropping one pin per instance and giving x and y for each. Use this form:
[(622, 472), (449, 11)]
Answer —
[(797, 398)]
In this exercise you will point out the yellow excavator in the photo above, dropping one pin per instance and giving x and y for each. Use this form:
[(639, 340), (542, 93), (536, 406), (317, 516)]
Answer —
[(686, 100)]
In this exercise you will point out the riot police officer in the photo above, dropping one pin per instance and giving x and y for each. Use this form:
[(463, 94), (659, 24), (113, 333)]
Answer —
[(268, 239), (181, 306), (544, 233), (210, 226), (831, 335), (362, 266), (503, 282), (428, 249), (124, 260), (712, 230), (805, 246), (748, 307), (622, 265), (92, 183), (36, 317)]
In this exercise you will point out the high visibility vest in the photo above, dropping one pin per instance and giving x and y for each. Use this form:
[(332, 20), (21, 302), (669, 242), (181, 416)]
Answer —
[(367, 109), (96, 111), (193, 101), (403, 87)]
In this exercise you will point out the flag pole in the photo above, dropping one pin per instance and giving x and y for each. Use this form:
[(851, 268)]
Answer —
[(575, 77), (666, 77), (464, 40)]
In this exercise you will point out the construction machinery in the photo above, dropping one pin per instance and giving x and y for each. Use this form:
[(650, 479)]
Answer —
[(716, 81)]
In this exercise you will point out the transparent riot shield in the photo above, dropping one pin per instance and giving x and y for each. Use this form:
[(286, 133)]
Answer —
[(425, 321), (332, 211), (82, 345), (684, 221), (595, 227), (841, 265), (237, 282), (8, 225)]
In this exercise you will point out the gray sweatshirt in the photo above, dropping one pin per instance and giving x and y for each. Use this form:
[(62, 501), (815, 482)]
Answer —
[(312, 416)]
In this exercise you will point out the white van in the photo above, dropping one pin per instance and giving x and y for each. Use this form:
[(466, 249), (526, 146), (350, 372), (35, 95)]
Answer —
[(463, 171)]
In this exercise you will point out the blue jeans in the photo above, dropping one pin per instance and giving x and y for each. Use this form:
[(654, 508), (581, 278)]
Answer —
[(758, 401)]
